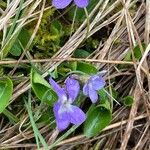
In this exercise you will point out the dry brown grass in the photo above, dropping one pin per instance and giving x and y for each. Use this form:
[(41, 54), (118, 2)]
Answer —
[(130, 128)]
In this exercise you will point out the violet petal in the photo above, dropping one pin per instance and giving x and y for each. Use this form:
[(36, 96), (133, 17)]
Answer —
[(93, 95), (97, 82), (77, 116), (62, 120), (60, 4), (60, 91), (81, 3), (72, 88)]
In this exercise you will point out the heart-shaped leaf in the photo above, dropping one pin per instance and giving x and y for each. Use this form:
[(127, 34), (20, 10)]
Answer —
[(42, 88), (97, 119), (6, 89), (86, 68), (81, 53), (20, 42)]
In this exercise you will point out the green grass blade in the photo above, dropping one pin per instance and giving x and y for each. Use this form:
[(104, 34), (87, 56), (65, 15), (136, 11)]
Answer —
[(10, 116), (34, 126)]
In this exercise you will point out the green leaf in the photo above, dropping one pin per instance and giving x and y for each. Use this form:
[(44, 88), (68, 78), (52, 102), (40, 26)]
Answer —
[(81, 53), (136, 51), (71, 65), (6, 89), (86, 68), (16, 49), (6, 48), (128, 101), (106, 105), (103, 96), (22, 40), (54, 74), (97, 119), (42, 88), (37, 134)]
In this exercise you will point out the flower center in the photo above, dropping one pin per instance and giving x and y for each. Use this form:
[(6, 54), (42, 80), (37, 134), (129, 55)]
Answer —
[(90, 85), (65, 105)]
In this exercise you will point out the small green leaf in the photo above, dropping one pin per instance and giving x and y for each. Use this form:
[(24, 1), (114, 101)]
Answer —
[(97, 119), (16, 49), (81, 53), (42, 89), (136, 51), (128, 101), (6, 89), (6, 49), (86, 68), (72, 65), (54, 74), (23, 39)]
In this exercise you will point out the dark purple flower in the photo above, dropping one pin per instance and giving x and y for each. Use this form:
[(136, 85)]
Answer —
[(66, 113), (60, 4), (93, 84)]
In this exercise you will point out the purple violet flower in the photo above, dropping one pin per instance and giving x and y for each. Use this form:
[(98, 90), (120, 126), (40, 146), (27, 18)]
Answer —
[(66, 113), (60, 4), (93, 84)]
